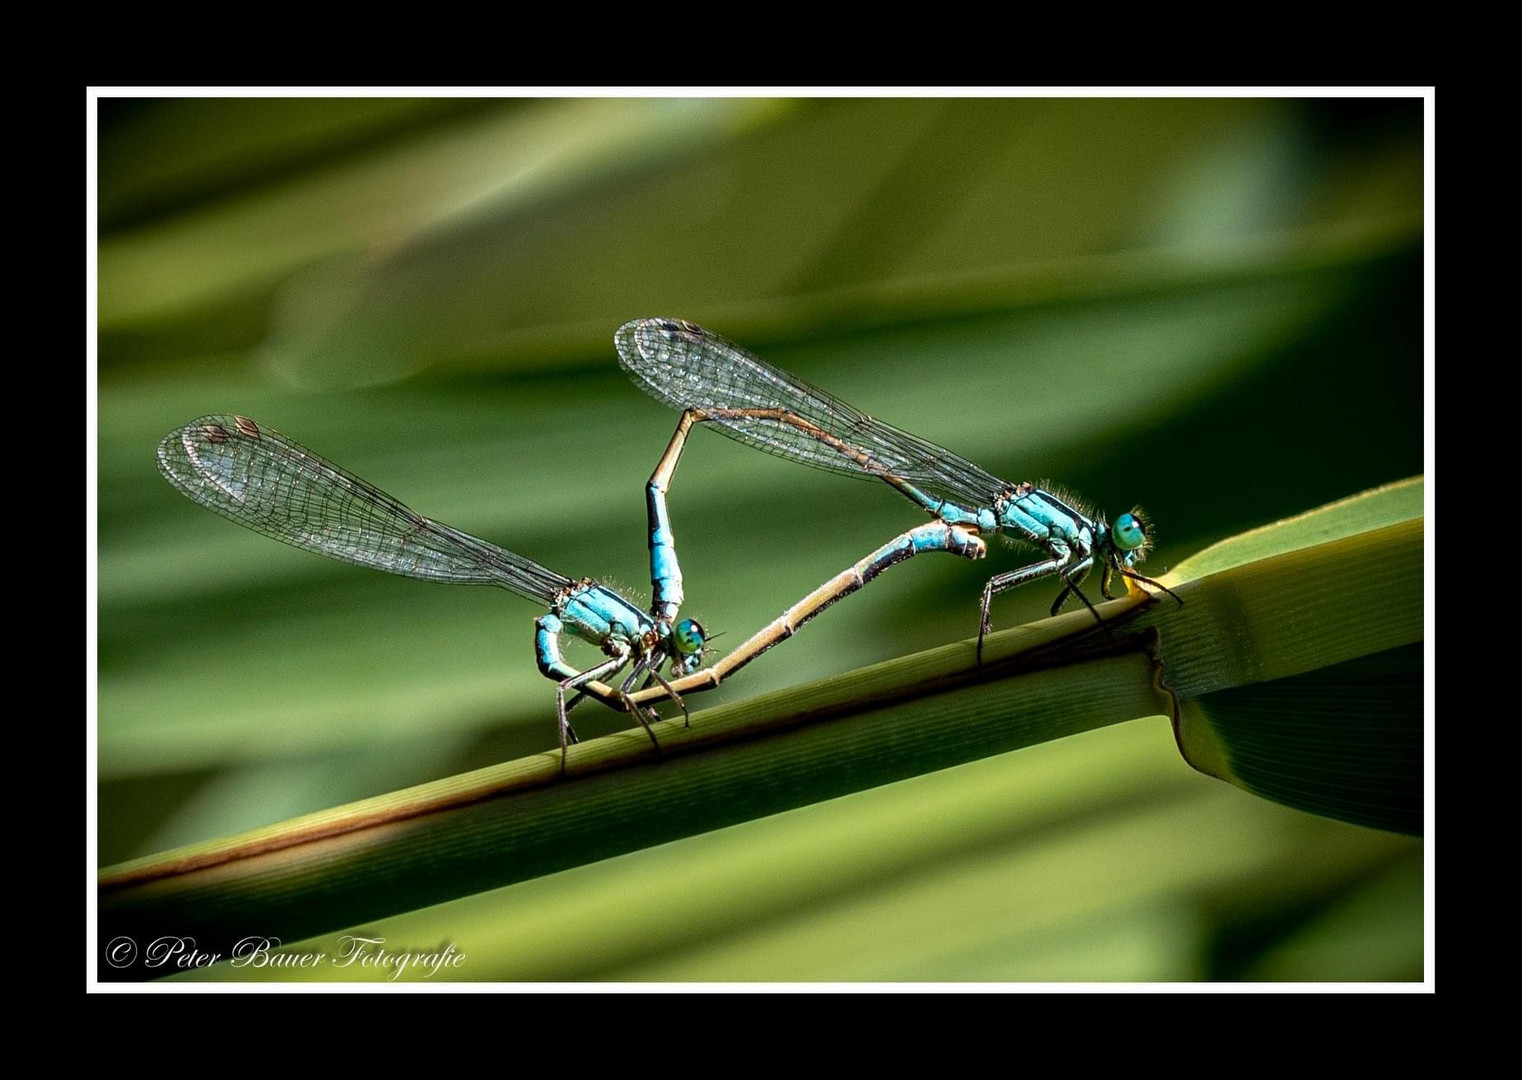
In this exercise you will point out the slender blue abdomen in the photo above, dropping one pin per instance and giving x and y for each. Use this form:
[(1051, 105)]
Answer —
[(665, 571)]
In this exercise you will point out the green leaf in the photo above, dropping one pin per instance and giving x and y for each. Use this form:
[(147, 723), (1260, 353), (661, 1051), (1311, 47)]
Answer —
[(1392, 504), (1314, 699), (1344, 741), (1101, 857)]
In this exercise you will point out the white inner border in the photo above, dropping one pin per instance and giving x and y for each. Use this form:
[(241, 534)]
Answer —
[(92, 948)]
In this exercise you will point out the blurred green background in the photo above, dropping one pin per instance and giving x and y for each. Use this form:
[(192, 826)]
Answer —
[(1212, 308)]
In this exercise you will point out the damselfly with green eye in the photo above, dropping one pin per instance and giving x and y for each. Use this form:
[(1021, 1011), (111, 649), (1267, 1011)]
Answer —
[(710, 380), (266, 482)]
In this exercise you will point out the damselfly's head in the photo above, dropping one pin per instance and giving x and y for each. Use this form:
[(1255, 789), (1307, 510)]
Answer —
[(689, 641), (1124, 544), (1129, 539)]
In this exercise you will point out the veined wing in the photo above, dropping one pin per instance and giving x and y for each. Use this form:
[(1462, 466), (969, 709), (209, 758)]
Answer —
[(267, 483), (689, 367)]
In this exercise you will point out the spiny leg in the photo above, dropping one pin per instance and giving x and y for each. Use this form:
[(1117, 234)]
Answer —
[(585, 694), (672, 694), (650, 679), (1073, 578), (1010, 579), (644, 667), (630, 705), (635, 672), (569, 705), (609, 666), (619, 699), (547, 631)]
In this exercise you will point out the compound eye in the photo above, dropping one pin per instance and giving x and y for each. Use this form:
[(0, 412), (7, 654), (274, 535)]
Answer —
[(1129, 532), (688, 636)]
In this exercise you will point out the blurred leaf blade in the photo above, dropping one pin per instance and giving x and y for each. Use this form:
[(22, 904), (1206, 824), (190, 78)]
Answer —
[(162, 156), (503, 158)]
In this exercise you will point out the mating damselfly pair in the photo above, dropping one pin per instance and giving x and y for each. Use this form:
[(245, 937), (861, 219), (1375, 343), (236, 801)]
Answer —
[(266, 482)]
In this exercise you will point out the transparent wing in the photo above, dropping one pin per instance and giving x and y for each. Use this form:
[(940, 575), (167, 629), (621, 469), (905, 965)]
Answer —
[(267, 483), (689, 367)]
